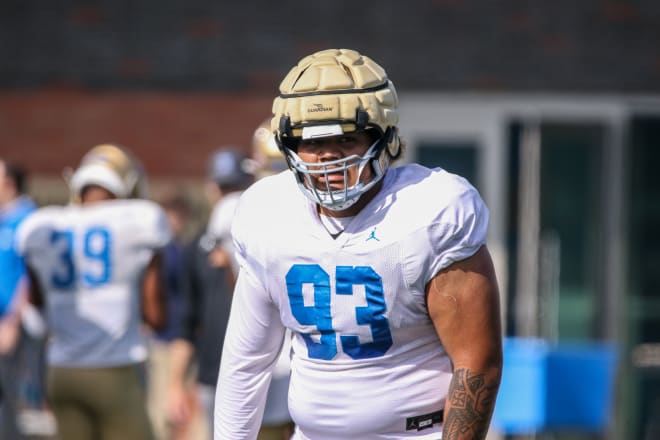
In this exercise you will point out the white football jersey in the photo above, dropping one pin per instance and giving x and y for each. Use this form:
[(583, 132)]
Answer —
[(366, 360), (220, 221), (89, 261)]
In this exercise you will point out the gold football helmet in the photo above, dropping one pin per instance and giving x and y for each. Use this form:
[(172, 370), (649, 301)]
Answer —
[(267, 159), (111, 167), (329, 93)]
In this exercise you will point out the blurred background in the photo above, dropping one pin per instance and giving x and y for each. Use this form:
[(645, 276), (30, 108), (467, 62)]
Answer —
[(551, 109)]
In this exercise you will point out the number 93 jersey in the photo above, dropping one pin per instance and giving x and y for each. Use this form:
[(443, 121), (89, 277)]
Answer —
[(89, 261), (367, 361)]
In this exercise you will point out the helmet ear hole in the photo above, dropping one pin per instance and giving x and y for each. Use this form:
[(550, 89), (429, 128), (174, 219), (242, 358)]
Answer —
[(285, 126), (361, 119)]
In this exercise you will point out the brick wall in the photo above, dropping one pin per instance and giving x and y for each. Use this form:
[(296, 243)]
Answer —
[(173, 133), (173, 80)]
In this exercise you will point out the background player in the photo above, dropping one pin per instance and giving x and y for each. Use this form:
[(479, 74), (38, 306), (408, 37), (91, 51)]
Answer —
[(230, 169), (207, 283), (95, 266), (21, 344), (267, 160), (382, 274)]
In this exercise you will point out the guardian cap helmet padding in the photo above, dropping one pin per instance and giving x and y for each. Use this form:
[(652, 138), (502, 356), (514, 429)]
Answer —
[(329, 93)]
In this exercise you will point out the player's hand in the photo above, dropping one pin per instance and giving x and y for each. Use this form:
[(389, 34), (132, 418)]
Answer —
[(218, 257), (9, 331), (179, 405)]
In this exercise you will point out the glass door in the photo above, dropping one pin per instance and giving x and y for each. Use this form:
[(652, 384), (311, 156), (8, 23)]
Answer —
[(641, 388), (556, 194)]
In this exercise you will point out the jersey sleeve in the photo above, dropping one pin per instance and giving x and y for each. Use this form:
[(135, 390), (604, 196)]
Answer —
[(459, 231), (219, 227), (253, 341), (31, 235), (154, 231), (222, 215)]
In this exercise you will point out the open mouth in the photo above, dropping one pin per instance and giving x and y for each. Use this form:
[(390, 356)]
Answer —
[(337, 176), (332, 176), (330, 185)]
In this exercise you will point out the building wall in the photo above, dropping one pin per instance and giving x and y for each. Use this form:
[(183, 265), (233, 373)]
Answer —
[(173, 80), (173, 133), (563, 45)]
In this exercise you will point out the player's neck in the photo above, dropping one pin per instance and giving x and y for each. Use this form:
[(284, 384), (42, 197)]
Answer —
[(334, 225)]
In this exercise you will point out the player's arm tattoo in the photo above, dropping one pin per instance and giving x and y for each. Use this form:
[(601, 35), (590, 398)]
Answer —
[(471, 401)]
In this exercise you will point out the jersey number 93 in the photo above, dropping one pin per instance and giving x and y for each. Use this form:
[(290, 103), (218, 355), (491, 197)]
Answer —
[(320, 314)]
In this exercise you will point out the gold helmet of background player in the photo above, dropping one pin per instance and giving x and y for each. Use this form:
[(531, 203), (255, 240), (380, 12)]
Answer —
[(267, 159), (111, 167)]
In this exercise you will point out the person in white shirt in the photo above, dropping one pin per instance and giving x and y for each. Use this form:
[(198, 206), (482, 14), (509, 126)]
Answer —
[(381, 274), (266, 160), (230, 170), (95, 267)]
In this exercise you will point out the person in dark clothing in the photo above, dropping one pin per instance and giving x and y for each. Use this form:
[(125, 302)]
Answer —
[(208, 282), (177, 210), (207, 290)]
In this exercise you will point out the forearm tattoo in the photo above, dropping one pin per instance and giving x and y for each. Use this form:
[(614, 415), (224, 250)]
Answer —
[(471, 403)]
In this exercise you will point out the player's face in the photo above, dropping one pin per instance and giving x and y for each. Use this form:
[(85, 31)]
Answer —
[(94, 193), (327, 149)]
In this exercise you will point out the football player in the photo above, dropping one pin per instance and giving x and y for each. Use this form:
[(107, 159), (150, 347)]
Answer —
[(15, 344), (381, 273), (95, 267), (230, 170), (267, 160)]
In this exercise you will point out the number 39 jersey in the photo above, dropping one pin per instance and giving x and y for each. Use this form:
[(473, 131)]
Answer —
[(89, 262), (366, 358)]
